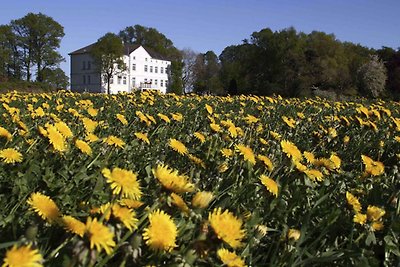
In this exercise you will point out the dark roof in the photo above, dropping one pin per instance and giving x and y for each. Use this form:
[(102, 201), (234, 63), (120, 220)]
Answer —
[(129, 48)]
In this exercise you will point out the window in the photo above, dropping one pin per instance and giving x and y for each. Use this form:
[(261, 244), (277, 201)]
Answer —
[(89, 65), (134, 66), (134, 58), (119, 79), (162, 70), (111, 80), (155, 82), (84, 65), (133, 81), (145, 68), (156, 69), (145, 59), (161, 83), (145, 80), (84, 79), (88, 79), (151, 81), (166, 83), (151, 68), (124, 80)]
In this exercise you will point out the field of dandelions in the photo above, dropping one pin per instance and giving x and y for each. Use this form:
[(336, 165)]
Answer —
[(148, 179)]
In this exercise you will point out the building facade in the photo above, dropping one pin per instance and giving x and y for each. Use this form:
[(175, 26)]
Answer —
[(145, 69)]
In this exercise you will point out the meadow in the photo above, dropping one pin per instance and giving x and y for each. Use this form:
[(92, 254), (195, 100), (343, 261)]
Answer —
[(147, 179)]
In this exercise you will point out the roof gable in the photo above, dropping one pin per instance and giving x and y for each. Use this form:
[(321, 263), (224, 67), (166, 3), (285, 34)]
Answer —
[(128, 49)]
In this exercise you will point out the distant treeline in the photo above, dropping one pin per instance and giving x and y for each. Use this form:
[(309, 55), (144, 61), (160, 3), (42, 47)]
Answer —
[(292, 63)]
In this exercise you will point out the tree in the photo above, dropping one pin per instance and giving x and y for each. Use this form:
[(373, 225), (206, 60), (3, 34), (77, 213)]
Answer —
[(56, 78), (107, 53), (175, 85), (188, 75), (38, 37), (5, 50), (373, 77), (206, 70)]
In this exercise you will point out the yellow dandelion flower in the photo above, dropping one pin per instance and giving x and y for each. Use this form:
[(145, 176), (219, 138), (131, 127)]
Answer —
[(23, 256), (177, 116), (5, 133), (179, 202), (336, 161), (202, 199), (200, 137), (372, 167), (197, 160), (161, 234), (90, 125), (83, 147), (123, 182), (100, 236), (263, 141), (230, 259), (247, 153), (291, 150), (309, 157), (215, 127), (10, 155), (289, 121), (130, 203), (223, 167), (262, 230), (353, 201), (233, 131), (314, 175), (377, 226), (63, 128), (114, 141), (293, 234), (56, 139), (44, 207), (209, 109), (143, 137), (275, 135), (90, 137), (171, 180), (397, 138), (73, 225), (125, 215), (227, 227), (226, 152), (250, 119), (164, 117), (178, 146), (332, 132), (346, 139), (374, 213), (42, 131), (267, 162), (122, 119), (270, 184), (300, 167), (360, 218), (92, 112)]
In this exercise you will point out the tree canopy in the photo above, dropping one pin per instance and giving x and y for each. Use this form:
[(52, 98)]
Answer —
[(107, 54)]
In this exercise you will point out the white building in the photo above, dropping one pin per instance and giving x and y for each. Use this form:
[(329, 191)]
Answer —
[(145, 70)]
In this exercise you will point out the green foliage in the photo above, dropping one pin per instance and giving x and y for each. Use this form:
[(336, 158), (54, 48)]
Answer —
[(107, 54)]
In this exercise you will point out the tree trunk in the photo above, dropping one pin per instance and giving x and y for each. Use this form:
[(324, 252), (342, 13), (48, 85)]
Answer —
[(108, 84)]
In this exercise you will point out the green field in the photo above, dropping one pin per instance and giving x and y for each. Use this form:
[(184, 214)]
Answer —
[(148, 179)]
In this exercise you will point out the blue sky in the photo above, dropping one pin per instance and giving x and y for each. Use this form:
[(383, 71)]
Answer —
[(212, 25)]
